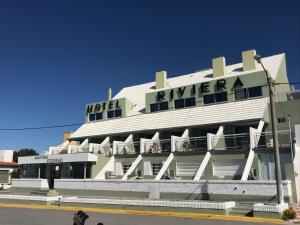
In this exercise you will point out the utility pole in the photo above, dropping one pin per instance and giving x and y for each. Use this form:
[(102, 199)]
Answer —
[(271, 84)]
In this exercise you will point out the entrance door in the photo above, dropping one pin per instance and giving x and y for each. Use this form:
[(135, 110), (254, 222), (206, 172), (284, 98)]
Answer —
[(55, 173)]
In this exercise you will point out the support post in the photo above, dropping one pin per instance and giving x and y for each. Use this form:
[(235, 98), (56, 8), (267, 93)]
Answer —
[(275, 141), (84, 175), (39, 172), (274, 132)]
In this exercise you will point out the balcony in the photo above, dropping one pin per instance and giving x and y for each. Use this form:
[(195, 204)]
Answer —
[(231, 142), (265, 139), (101, 149), (193, 144), (128, 148), (161, 146)]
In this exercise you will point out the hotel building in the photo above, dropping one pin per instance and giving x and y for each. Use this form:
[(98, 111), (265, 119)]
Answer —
[(209, 130)]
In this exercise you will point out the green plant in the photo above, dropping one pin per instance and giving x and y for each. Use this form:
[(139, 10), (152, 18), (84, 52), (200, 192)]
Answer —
[(154, 148), (289, 214), (16, 173)]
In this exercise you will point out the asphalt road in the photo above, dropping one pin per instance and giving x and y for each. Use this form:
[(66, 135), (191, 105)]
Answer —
[(19, 216)]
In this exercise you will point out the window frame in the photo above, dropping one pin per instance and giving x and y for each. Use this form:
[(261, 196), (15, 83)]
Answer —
[(154, 167), (246, 90), (214, 98), (94, 116), (184, 102), (159, 106)]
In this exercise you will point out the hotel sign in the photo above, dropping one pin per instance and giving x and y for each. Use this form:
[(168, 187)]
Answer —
[(60, 158), (49, 160), (103, 106), (202, 88)]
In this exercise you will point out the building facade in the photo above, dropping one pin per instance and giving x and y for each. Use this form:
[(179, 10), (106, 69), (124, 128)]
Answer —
[(209, 126)]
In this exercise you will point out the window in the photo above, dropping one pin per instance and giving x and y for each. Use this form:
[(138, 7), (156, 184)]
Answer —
[(163, 106), (189, 102), (92, 117), (183, 103), (179, 104), (156, 168), (209, 99), (240, 94), (110, 114), (245, 93), (118, 113), (125, 167), (98, 116), (159, 106), (281, 120), (221, 96), (215, 98), (254, 92), (154, 107), (114, 113)]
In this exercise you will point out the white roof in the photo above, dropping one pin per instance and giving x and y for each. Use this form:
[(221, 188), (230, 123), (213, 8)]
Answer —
[(137, 120), (136, 94), (196, 116)]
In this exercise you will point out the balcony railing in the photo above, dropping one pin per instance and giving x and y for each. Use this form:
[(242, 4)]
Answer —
[(231, 142), (191, 144), (128, 148), (158, 147), (265, 139), (101, 149)]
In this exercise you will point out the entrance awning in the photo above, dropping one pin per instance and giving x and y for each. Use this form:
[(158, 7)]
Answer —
[(60, 158)]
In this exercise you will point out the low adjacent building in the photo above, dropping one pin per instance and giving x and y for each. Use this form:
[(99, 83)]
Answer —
[(206, 134), (6, 168)]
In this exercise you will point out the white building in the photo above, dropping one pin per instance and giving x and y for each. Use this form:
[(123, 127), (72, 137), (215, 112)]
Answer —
[(207, 131)]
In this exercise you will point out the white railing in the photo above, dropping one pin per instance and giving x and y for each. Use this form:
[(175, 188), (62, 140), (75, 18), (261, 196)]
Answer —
[(232, 141), (74, 149), (101, 149), (191, 144), (265, 139), (128, 148), (59, 150), (157, 147)]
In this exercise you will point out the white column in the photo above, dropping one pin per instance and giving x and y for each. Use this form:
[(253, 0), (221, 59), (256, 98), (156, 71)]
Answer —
[(84, 175), (39, 172)]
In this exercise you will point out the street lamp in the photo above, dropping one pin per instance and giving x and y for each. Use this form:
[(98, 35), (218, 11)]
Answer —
[(274, 132)]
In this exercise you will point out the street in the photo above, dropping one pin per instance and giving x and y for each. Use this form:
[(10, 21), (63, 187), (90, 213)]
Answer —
[(20, 216)]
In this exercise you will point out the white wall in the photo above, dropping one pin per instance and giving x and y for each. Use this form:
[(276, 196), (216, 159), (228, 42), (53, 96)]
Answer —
[(230, 187), (297, 161), (30, 183), (6, 155)]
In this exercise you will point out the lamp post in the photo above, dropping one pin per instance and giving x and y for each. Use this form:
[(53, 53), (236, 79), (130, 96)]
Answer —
[(274, 132)]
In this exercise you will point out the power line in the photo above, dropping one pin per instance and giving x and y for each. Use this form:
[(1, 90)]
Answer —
[(297, 82), (40, 128)]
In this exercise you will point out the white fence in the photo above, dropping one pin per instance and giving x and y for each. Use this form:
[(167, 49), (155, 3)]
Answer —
[(226, 187), (30, 183)]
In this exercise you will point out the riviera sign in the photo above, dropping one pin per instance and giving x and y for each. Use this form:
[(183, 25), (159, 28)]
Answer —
[(203, 88)]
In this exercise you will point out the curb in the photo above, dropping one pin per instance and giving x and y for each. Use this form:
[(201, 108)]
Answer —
[(147, 213)]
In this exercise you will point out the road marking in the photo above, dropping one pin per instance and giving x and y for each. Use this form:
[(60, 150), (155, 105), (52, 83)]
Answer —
[(147, 213)]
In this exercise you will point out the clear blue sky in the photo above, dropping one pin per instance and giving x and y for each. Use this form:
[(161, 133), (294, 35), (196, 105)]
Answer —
[(56, 56)]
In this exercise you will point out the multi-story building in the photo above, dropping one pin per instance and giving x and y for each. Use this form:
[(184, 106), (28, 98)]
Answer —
[(210, 126)]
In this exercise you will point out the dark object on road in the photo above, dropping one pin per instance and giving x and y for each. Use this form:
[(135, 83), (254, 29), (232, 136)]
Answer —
[(80, 218)]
